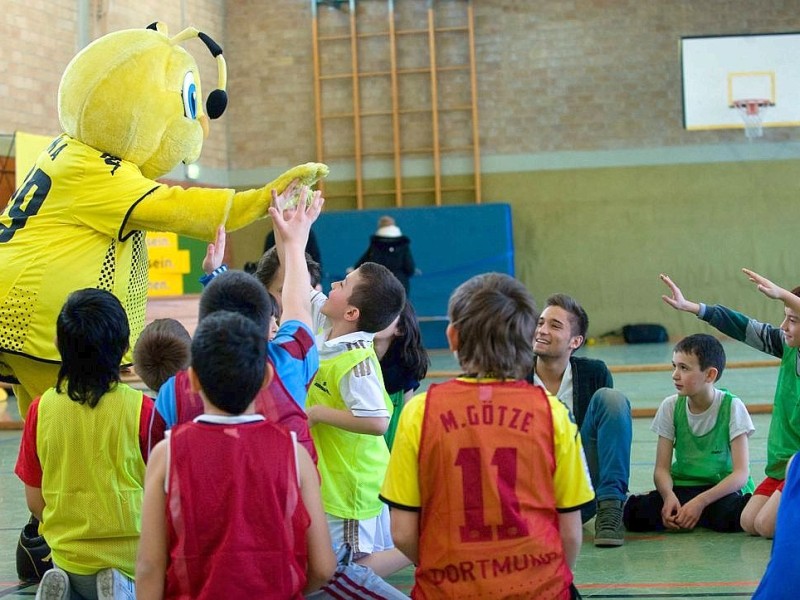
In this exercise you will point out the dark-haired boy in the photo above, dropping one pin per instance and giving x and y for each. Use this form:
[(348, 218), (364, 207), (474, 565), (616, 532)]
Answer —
[(603, 414), (709, 482), (83, 453), (348, 409), (226, 462)]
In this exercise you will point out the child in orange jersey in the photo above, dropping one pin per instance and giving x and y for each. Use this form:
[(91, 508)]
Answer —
[(487, 477)]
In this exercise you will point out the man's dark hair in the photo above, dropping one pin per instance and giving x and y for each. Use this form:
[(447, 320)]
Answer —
[(229, 357), (706, 348), (238, 292), (579, 320), (92, 335), (379, 297)]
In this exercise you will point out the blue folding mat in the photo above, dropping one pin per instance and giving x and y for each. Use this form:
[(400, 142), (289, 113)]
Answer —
[(450, 244)]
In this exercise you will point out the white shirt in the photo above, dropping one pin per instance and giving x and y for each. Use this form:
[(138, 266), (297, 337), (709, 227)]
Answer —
[(361, 389), (565, 389), (700, 424)]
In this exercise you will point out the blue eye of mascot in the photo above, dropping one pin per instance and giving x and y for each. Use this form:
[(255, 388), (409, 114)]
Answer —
[(129, 105)]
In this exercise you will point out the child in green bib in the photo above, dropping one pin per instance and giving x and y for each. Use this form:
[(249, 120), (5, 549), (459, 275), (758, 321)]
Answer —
[(707, 429)]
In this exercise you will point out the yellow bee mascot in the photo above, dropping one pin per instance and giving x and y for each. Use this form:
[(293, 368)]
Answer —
[(129, 107)]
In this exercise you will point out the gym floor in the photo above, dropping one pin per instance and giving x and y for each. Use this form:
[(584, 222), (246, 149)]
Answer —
[(699, 564)]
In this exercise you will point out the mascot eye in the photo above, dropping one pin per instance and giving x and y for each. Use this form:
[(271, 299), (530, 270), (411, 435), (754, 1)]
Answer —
[(189, 94)]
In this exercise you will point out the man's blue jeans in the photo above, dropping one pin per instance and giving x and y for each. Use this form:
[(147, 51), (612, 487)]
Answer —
[(606, 434)]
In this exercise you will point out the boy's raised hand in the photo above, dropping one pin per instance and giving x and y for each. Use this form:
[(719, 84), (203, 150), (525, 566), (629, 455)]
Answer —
[(215, 252), (764, 285), (291, 234), (293, 224), (676, 299)]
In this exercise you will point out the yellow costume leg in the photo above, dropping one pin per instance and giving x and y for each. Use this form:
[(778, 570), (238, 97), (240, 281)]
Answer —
[(34, 378)]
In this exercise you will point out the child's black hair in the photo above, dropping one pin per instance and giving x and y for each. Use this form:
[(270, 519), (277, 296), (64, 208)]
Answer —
[(238, 292), (229, 358), (706, 348), (379, 297), (408, 344), (92, 335), (269, 263)]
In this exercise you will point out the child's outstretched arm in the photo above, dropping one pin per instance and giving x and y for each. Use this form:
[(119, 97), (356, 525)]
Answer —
[(676, 299), (774, 291), (662, 477), (689, 514), (291, 234), (151, 562)]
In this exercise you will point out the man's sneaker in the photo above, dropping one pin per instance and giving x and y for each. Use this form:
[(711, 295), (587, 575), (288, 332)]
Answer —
[(608, 528), (113, 585), (54, 586)]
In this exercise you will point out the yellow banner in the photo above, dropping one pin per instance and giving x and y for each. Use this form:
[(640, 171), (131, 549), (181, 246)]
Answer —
[(168, 260), (28, 146), (165, 284), (167, 264)]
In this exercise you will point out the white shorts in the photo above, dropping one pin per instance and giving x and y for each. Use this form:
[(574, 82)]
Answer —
[(364, 537)]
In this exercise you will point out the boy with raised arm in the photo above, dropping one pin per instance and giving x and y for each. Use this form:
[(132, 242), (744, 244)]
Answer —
[(709, 482), (783, 440), (487, 478), (292, 353), (348, 409), (280, 550)]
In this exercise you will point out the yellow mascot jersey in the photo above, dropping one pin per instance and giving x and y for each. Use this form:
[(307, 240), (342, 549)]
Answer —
[(63, 230)]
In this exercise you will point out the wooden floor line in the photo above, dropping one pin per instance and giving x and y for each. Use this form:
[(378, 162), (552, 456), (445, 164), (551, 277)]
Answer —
[(676, 584)]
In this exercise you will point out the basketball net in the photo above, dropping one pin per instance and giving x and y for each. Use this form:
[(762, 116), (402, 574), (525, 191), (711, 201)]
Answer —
[(751, 113)]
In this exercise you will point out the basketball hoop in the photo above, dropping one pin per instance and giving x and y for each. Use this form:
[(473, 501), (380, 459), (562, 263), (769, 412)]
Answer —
[(751, 111)]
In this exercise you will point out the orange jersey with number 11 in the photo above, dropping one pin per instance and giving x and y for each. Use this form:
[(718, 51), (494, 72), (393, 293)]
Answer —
[(489, 525)]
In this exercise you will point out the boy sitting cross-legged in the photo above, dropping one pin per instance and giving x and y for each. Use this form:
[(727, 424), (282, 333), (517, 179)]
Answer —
[(709, 482)]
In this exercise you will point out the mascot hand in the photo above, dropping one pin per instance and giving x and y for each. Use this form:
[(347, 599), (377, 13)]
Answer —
[(254, 204), (306, 175)]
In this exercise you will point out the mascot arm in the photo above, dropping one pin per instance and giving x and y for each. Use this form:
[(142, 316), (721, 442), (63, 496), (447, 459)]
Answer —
[(197, 212)]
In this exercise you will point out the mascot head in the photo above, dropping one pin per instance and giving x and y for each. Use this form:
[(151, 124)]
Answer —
[(135, 94)]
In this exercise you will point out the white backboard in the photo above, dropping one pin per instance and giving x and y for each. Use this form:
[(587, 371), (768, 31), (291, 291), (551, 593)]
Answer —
[(720, 70)]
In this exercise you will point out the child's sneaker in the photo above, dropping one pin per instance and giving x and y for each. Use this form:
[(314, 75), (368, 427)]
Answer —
[(608, 528), (113, 585), (54, 586)]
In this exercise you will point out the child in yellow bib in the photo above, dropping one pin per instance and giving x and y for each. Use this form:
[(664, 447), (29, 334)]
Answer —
[(83, 452), (349, 410)]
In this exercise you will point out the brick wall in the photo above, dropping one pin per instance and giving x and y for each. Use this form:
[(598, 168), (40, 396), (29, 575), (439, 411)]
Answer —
[(566, 75)]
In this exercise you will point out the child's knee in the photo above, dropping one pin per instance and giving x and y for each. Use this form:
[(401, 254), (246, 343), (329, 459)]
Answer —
[(764, 524), (748, 524)]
